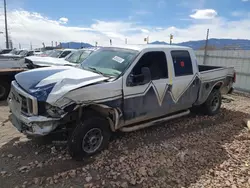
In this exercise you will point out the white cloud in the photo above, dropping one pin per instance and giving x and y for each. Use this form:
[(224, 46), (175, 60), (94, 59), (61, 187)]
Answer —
[(204, 14), (245, 0), (26, 27), (63, 20)]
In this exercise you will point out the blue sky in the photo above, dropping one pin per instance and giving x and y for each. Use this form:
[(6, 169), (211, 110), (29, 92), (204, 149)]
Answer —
[(160, 13), (99, 20)]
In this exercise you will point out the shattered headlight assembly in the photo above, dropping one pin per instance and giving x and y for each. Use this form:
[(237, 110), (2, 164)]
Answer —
[(54, 111)]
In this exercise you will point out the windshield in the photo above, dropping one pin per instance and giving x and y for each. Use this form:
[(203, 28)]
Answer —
[(109, 61), (47, 52), (23, 53), (78, 56), (55, 53), (18, 52), (13, 51)]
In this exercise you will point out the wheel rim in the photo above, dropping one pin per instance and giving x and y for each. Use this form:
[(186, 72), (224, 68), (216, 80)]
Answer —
[(92, 140), (215, 102), (2, 91)]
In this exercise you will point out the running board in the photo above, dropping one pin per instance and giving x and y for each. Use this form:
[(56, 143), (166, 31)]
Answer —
[(144, 125)]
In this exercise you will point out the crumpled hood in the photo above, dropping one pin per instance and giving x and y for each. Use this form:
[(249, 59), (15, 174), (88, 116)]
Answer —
[(51, 83), (48, 61)]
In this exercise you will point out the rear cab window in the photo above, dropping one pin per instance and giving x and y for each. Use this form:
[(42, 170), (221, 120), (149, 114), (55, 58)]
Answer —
[(182, 63)]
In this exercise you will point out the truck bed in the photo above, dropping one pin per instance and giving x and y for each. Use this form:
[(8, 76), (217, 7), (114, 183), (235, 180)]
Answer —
[(210, 73)]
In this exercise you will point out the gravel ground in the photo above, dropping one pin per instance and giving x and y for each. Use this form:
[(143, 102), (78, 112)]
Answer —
[(195, 151)]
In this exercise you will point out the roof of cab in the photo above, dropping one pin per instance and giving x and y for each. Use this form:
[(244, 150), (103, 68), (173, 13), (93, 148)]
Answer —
[(140, 47)]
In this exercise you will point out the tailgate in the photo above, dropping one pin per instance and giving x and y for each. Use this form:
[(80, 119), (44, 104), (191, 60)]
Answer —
[(216, 74)]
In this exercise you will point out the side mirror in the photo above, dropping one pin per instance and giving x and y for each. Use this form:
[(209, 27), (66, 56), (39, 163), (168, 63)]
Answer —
[(141, 79)]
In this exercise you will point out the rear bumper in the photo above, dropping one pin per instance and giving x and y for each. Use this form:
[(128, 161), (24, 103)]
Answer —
[(34, 126)]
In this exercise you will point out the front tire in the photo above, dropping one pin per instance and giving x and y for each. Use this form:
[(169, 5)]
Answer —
[(90, 136), (4, 90), (213, 103)]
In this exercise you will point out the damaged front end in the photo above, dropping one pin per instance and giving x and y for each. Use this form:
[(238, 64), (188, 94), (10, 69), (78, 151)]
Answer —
[(34, 126), (25, 113), (41, 103)]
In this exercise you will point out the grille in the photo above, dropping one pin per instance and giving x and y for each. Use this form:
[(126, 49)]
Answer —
[(28, 103), (24, 104)]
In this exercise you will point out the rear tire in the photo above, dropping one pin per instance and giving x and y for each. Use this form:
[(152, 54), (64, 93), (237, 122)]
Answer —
[(90, 136), (4, 90), (213, 103)]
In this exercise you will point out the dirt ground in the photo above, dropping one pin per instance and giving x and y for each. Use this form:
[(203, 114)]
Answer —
[(195, 151)]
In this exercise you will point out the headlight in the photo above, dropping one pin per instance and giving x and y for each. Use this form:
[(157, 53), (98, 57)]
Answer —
[(54, 111), (41, 93)]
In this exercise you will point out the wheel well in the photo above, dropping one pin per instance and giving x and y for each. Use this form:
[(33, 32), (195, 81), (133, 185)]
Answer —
[(218, 86), (100, 110), (6, 78)]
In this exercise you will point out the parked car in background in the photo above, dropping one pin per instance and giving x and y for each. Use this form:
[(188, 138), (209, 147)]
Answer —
[(72, 59), (45, 53), (13, 53), (18, 54), (34, 52), (61, 53), (123, 88), (5, 51)]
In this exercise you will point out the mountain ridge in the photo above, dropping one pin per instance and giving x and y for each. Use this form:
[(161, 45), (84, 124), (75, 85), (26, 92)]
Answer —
[(213, 43)]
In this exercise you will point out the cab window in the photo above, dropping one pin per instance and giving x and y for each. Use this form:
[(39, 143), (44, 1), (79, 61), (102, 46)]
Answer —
[(182, 63), (156, 62)]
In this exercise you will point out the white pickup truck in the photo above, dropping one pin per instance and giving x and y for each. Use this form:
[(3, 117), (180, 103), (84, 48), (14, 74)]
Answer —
[(123, 88)]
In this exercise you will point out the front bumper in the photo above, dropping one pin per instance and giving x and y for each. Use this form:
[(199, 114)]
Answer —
[(34, 126), (31, 125)]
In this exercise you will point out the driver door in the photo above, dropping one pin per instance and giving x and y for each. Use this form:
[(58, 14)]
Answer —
[(144, 101)]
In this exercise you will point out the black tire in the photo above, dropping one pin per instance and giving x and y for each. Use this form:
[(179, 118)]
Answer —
[(76, 142), (213, 103), (4, 90)]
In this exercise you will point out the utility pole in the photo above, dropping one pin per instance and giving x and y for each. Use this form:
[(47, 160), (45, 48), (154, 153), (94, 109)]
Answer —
[(31, 45), (171, 38), (20, 46), (126, 40), (6, 27), (205, 50)]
